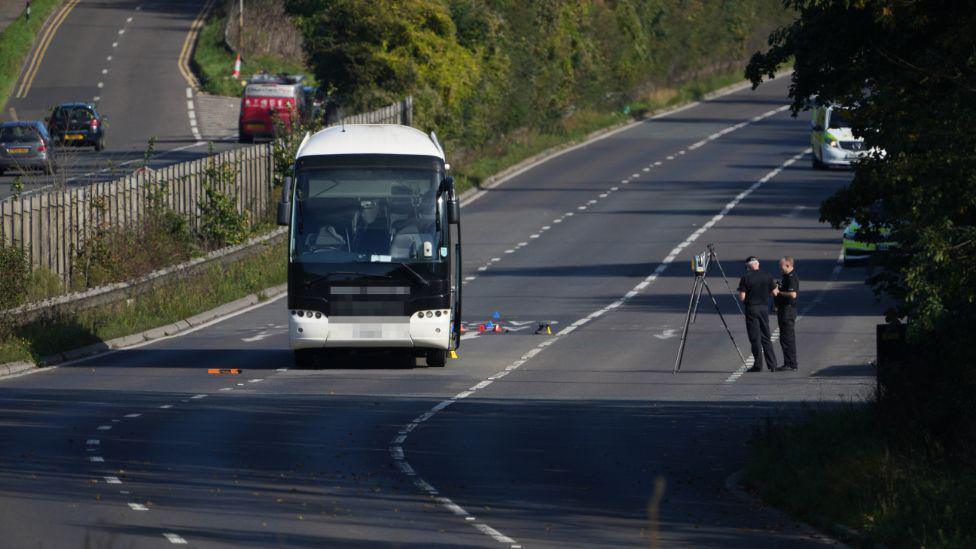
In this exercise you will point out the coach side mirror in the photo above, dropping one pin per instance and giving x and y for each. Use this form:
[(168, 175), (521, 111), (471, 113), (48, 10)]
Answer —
[(453, 211), (284, 206), (284, 211)]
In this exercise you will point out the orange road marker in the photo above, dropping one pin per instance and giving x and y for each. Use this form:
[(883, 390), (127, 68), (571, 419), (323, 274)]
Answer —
[(223, 371)]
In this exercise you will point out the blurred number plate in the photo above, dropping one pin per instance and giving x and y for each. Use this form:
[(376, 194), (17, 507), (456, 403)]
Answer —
[(73, 136), (368, 332), (18, 151)]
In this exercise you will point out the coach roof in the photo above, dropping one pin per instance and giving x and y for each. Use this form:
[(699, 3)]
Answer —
[(371, 139)]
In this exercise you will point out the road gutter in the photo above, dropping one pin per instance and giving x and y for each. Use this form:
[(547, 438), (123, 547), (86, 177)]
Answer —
[(734, 485)]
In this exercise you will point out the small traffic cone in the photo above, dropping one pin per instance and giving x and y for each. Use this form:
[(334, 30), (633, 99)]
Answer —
[(464, 330), (498, 328), (237, 68)]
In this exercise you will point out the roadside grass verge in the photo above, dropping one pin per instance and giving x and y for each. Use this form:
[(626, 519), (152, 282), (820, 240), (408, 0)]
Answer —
[(16, 41), (475, 166), (182, 298), (213, 61), (851, 466)]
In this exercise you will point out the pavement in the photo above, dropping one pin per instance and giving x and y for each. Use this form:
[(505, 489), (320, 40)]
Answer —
[(580, 439), (125, 57), (10, 10)]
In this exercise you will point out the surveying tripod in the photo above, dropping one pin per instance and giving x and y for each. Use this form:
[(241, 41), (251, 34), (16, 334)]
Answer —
[(699, 266)]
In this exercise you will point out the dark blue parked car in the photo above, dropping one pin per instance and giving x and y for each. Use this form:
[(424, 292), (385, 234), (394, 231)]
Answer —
[(78, 124)]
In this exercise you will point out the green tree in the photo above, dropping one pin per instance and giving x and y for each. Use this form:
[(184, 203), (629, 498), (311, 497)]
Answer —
[(375, 53), (908, 70)]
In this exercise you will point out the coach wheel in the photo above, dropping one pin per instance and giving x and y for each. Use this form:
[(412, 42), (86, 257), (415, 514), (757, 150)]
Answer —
[(436, 359)]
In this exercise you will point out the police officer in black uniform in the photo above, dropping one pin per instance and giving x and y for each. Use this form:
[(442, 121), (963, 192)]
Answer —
[(755, 287), (785, 299)]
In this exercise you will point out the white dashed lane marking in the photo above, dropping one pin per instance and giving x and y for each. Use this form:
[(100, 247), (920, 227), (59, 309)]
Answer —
[(191, 115), (396, 444), (174, 538)]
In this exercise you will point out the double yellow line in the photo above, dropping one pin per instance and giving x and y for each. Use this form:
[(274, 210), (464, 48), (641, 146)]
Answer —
[(191, 38), (35, 61)]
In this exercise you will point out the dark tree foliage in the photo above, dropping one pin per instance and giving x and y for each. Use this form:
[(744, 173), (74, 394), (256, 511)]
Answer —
[(908, 69)]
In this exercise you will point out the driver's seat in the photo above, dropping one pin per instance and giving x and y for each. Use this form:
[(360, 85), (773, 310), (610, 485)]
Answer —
[(327, 238)]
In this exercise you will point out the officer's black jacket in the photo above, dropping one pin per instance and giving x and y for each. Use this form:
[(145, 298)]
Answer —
[(757, 285)]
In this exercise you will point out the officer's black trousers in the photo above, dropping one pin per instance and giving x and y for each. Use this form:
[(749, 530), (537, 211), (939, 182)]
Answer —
[(757, 326), (786, 316)]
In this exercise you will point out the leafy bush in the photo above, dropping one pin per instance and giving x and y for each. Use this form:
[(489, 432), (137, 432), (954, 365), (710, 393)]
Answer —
[(43, 284), (14, 276), (113, 254), (220, 222)]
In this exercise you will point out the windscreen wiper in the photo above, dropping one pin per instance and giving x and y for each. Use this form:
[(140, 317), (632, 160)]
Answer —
[(416, 275), (315, 281)]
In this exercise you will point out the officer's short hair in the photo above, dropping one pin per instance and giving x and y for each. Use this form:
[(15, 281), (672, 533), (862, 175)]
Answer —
[(752, 259)]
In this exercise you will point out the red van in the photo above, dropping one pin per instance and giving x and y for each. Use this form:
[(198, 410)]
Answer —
[(270, 102)]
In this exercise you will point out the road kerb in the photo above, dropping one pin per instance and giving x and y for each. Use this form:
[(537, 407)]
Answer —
[(733, 485), (11, 369), (538, 159)]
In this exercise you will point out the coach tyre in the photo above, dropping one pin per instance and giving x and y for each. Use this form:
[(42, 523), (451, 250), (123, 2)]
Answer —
[(305, 358), (437, 358)]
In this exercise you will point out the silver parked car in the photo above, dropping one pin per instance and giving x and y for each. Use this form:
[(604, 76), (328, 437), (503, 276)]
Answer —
[(25, 146)]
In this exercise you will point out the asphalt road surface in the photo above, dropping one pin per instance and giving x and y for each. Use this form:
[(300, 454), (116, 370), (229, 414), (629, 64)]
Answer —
[(527, 440), (123, 56)]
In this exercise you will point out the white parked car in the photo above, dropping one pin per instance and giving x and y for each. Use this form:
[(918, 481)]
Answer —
[(834, 145)]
